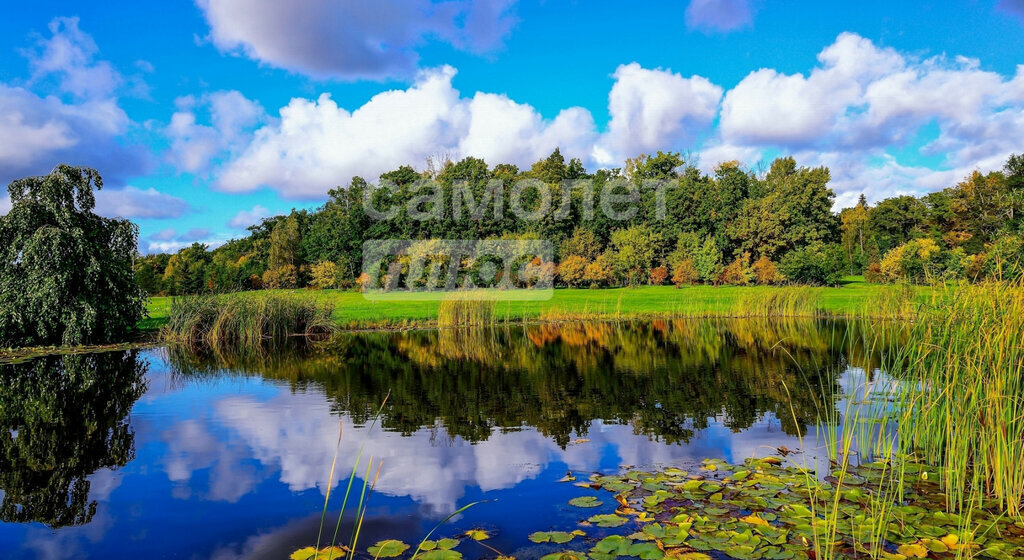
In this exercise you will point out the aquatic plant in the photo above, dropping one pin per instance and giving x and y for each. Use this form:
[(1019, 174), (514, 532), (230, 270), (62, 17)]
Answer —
[(962, 396), (763, 509), (465, 313), (246, 320), (789, 301)]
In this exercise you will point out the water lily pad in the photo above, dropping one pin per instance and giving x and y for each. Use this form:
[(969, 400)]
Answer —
[(310, 553), (586, 502), (567, 555), (557, 537), (388, 549), (477, 534), (608, 520), (914, 550), (440, 554), (646, 551), (447, 544), (611, 547)]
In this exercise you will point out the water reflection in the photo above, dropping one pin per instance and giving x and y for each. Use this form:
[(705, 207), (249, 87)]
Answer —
[(666, 379), (64, 418), (229, 456)]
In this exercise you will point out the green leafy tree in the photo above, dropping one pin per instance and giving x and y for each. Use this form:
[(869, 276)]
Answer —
[(66, 274), (186, 271), (817, 264), (855, 234), (582, 243), (551, 170), (285, 243), (894, 221), (708, 260), (1014, 172), (634, 252), (324, 275)]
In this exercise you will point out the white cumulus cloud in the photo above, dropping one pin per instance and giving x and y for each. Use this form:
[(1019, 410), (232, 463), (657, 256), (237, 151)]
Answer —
[(230, 116), (863, 101), (654, 110), (315, 144), (80, 122)]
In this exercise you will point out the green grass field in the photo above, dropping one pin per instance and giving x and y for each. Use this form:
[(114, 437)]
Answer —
[(353, 310)]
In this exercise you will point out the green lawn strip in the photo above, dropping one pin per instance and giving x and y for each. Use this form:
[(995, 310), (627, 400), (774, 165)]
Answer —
[(354, 310)]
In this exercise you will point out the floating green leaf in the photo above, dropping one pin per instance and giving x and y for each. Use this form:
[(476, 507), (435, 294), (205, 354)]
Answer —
[(557, 537), (440, 554), (477, 534), (447, 544), (388, 549), (585, 502), (608, 520), (568, 555)]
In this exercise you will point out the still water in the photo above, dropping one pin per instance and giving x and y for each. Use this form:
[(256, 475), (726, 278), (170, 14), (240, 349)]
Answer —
[(162, 453)]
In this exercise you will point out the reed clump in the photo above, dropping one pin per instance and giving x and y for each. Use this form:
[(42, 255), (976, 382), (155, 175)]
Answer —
[(245, 321), (465, 313), (962, 391), (786, 301)]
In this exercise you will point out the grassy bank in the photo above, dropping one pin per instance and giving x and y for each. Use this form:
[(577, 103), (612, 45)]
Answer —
[(352, 310)]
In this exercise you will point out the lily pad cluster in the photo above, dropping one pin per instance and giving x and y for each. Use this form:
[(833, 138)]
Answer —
[(440, 549), (763, 510), (760, 509)]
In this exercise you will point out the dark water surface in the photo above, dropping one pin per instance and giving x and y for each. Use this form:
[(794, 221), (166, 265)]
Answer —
[(166, 454)]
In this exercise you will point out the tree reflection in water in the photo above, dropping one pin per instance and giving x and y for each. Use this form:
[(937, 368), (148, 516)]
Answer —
[(63, 418), (664, 378)]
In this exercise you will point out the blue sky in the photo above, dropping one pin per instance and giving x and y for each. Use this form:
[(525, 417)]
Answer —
[(205, 117)]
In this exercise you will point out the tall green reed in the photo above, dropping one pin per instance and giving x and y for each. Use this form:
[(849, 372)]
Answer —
[(962, 393), (244, 320), (465, 312)]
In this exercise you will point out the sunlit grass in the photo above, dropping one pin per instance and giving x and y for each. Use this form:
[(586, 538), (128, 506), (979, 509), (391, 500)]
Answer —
[(353, 310)]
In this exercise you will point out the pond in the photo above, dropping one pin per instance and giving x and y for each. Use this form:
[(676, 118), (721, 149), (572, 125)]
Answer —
[(161, 453)]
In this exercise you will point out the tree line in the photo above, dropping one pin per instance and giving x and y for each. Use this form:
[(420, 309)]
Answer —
[(733, 226)]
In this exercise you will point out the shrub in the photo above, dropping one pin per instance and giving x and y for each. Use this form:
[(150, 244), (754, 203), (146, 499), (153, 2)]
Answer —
[(659, 275), (324, 275), (916, 260), (599, 271), (765, 271), (873, 273), (739, 272), (1004, 258), (363, 281), (571, 270), (684, 273), (286, 276), (538, 273), (820, 265)]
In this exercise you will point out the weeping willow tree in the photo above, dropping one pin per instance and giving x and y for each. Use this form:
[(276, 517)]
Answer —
[(65, 273)]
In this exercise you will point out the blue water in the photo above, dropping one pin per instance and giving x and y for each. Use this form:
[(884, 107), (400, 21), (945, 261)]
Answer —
[(234, 462)]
